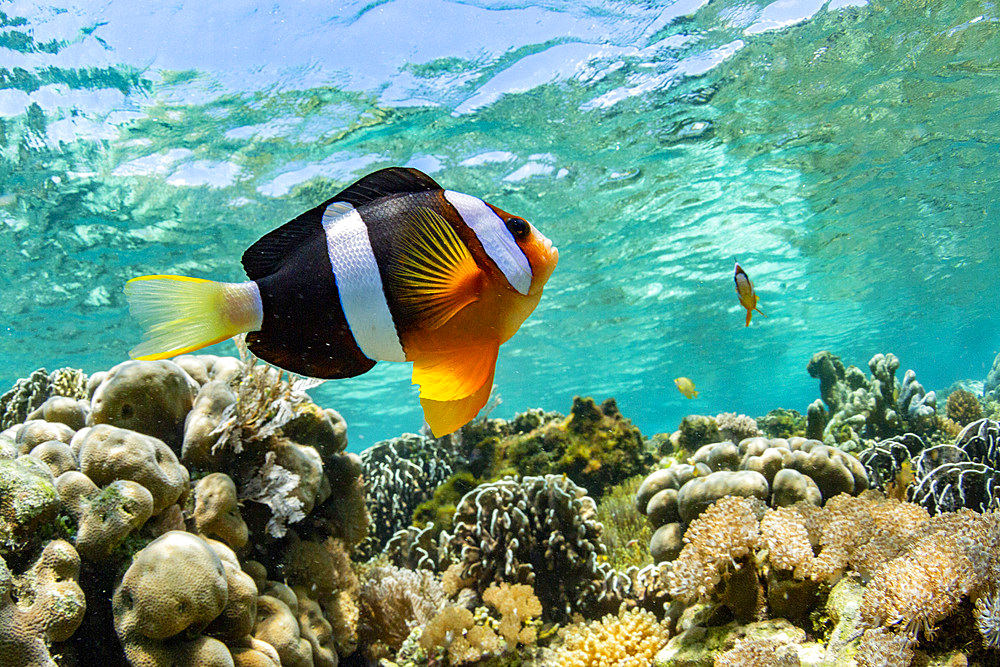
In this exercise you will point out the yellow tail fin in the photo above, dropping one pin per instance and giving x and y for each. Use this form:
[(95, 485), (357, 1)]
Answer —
[(180, 314)]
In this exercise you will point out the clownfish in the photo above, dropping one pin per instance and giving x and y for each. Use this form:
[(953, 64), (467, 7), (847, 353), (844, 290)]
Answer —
[(394, 268), (686, 387), (744, 289)]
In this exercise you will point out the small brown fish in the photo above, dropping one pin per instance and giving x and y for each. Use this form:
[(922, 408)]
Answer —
[(746, 293)]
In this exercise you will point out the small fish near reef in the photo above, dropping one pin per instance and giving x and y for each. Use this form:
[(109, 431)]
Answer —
[(686, 387), (393, 268), (744, 289)]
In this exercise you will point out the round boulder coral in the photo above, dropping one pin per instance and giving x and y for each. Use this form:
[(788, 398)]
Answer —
[(108, 453), (173, 590), (55, 612), (28, 500), (37, 431), (200, 424), (151, 397), (217, 511), (695, 496), (104, 517)]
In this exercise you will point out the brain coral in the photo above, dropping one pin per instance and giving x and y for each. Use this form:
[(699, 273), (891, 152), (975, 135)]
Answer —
[(518, 530), (173, 589), (46, 605), (28, 500), (108, 453), (151, 397)]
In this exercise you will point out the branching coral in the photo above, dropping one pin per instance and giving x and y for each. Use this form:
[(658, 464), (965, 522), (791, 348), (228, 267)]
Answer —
[(517, 605), (520, 530), (400, 474), (629, 639), (393, 601), (858, 407), (28, 394)]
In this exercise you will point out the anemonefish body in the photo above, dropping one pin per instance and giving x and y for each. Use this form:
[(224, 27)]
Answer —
[(686, 387), (746, 293), (394, 268)]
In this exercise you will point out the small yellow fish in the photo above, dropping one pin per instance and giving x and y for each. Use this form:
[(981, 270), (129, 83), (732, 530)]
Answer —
[(744, 289), (686, 387)]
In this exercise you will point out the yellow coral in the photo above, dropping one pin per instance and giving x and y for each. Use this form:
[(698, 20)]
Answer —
[(517, 605), (630, 639), (963, 407), (456, 632)]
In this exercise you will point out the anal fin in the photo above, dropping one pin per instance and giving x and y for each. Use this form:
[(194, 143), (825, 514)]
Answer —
[(453, 374), (446, 417)]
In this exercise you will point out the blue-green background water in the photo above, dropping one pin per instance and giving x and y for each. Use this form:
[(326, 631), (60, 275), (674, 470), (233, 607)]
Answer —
[(846, 152)]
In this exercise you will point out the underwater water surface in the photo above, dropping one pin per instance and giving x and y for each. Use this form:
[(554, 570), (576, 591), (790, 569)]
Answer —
[(845, 152)]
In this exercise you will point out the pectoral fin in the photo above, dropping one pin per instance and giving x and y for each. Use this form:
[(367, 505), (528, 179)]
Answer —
[(431, 271), (454, 374), (446, 417)]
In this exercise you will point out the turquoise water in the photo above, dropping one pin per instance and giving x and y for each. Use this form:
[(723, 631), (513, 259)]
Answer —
[(845, 152)]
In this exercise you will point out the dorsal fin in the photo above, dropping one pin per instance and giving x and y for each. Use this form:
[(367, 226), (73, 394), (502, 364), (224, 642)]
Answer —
[(384, 182), (268, 253), (266, 256)]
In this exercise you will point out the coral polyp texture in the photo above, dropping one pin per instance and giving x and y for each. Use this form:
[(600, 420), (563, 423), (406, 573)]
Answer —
[(522, 530), (777, 471)]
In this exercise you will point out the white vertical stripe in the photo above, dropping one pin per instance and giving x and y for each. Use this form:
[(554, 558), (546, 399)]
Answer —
[(497, 240), (360, 284)]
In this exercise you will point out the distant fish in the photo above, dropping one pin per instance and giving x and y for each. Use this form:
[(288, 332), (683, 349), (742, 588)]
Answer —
[(393, 268), (686, 387), (744, 289)]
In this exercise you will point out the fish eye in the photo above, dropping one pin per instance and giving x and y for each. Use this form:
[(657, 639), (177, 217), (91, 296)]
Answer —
[(518, 227)]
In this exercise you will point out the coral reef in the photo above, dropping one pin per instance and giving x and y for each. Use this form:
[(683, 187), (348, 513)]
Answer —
[(946, 477), (519, 530), (630, 638), (97, 464), (400, 474), (394, 601), (782, 423), (853, 407), (595, 446), (28, 500), (42, 606), (963, 407), (205, 511), (777, 471), (30, 393)]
